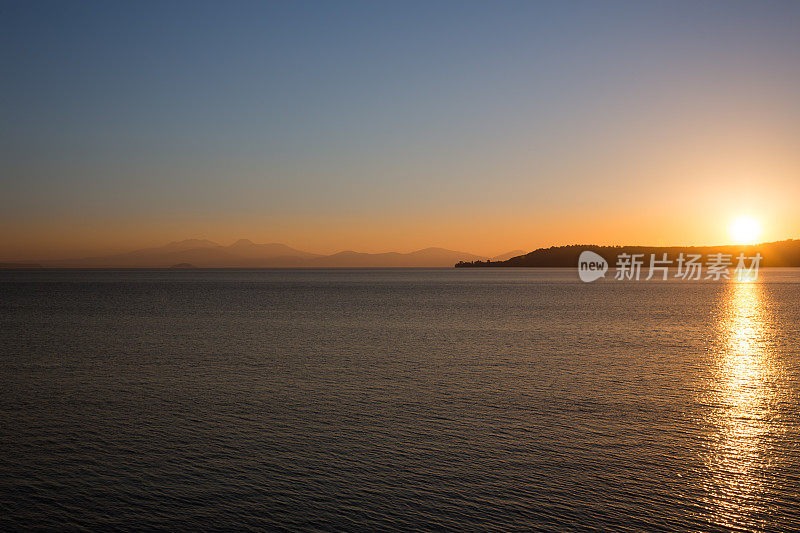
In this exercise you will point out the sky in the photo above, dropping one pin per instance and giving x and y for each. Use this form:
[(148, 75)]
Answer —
[(376, 126)]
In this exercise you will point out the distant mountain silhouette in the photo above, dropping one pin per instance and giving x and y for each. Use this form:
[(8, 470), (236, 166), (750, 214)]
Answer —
[(775, 254), (507, 255), (188, 244), (199, 253), (429, 257), (247, 254), (248, 249)]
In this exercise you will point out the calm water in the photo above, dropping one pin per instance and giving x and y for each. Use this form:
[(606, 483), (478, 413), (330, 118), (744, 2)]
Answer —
[(432, 399)]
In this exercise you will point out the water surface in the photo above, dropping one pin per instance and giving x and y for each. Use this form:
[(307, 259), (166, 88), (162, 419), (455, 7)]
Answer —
[(363, 399)]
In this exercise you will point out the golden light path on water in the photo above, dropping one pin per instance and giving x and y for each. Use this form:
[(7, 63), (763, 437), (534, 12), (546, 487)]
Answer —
[(742, 417)]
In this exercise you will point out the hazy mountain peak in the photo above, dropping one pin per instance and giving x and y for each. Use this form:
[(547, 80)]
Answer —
[(435, 251), (243, 242), (508, 255)]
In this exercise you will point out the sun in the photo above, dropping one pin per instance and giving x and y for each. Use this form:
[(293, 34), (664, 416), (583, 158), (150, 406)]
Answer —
[(745, 230)]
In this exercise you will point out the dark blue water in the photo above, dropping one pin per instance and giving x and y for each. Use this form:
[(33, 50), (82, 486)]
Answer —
[(492, 399)]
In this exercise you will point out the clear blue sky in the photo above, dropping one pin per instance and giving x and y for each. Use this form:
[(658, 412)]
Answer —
[(394, 125)]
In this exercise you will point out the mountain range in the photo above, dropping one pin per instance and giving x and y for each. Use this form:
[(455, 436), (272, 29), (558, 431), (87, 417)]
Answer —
[(200, 253), (244, 253)]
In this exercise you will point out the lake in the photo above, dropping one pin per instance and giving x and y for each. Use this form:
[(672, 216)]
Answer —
[(470, 399)]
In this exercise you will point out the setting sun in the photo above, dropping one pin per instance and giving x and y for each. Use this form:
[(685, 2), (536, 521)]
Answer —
[(745, 230)]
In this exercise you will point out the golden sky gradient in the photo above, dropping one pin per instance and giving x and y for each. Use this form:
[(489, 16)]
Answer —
[(384, 128)]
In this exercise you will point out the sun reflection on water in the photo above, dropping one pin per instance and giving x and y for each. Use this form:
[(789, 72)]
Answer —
[(741, 417)]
